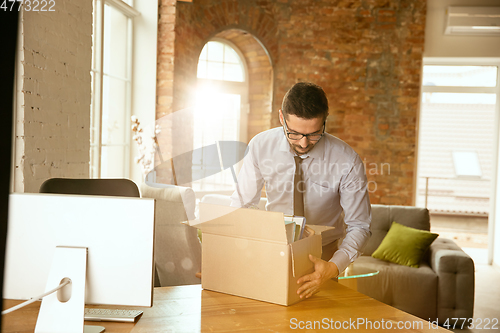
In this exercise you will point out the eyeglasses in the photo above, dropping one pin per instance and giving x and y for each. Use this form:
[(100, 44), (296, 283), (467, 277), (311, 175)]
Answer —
[(297, 136)]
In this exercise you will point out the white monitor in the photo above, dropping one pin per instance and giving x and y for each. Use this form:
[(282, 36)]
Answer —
[(118, 232)]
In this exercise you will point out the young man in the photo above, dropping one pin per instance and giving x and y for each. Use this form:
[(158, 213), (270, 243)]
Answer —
[(310, 173)]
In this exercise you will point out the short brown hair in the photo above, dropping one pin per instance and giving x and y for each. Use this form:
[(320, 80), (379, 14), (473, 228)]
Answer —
[(305, 100)]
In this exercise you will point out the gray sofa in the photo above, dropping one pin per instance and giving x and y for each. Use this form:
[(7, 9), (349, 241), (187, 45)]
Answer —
[(441, 288)]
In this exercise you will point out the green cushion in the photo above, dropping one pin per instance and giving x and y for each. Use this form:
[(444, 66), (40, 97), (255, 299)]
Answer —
[(404, 245)]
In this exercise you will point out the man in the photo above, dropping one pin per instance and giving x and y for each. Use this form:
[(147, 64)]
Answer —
[(308, 172)]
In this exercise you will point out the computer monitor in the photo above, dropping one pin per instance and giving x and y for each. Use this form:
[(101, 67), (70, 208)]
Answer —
[(117, 231)]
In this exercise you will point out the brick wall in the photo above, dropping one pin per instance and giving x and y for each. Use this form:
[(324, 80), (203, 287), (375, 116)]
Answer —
[(164, 85), (53, 118), (367, 55), (166, 37), (193, 29)]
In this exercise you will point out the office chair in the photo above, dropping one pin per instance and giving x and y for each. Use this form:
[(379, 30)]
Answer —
[(119, 187)]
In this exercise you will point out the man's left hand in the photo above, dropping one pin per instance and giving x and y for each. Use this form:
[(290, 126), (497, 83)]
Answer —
[(323, 271)]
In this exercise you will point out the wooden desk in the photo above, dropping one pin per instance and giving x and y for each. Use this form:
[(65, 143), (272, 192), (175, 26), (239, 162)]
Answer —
[(191, 309)]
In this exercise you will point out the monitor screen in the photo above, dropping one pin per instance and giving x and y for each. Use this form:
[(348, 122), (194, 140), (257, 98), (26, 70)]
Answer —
[(118, 232)]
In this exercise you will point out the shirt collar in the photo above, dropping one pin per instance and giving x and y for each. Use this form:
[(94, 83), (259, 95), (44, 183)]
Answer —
[(317, 152), (284, 145)]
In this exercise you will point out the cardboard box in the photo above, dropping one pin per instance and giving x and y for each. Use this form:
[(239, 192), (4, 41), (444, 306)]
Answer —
[(245, 252)]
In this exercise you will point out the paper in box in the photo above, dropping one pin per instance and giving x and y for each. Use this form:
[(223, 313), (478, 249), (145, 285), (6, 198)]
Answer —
[(245, 252)]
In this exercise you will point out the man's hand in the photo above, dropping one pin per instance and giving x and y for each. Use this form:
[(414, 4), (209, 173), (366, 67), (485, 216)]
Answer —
[(323, 271)]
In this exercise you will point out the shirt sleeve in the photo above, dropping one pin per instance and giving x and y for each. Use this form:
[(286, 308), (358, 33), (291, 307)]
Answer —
[(250, 180), (355, 202)]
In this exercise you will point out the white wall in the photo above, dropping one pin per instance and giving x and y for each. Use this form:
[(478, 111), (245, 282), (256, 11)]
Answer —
[(439, 45), (52, 117), (494, 216), (53, 111)]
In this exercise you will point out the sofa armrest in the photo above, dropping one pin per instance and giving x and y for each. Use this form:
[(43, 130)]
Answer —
[(172, 193), (455, 271)]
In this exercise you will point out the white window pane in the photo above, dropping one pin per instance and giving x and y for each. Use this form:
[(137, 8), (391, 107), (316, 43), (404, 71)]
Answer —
[(458, 98), (215, 51), (466, 163), (112, 162), (451, 123), (202, 69), (448, 124), (233, 73), (230, 55), (223, 63), (215, 71), (115, 42), (216, 118), (203, 54), (114, 124), (460, 76)]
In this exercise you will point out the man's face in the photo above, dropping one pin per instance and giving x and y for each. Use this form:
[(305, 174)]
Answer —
[(298, 125)]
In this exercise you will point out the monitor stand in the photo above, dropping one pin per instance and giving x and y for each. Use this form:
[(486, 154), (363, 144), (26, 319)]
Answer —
[(63, 311)]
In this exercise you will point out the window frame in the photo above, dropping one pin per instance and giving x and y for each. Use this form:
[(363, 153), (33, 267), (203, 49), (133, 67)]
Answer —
[(447, 61), (238, 52), (495, 191), (97, 71), (233, 87), (461, 62), (230, 87)]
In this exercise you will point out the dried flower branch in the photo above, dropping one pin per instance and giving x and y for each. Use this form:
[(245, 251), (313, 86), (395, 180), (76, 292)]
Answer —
[(146, 156)]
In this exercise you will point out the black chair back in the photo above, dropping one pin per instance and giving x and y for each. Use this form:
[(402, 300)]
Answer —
[(119, 187)]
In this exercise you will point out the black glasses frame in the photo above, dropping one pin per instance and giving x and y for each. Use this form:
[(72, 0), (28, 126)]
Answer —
[(303, 135)]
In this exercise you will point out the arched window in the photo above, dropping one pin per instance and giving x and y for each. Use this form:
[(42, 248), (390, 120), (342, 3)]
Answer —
[(219, 61), (222, 106)]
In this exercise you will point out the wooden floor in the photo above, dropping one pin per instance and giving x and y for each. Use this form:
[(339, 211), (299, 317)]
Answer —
[(487, 299), (471, 233)]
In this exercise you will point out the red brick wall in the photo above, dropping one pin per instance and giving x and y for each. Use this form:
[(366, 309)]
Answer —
[(366, 54), (164, 85), (165, 74)]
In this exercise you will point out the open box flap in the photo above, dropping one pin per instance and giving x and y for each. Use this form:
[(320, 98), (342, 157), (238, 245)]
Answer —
[(241, 222), (319, 229), (302, 244), (300, 262)]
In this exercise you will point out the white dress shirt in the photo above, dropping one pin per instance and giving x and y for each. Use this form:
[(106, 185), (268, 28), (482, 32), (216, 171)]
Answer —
[(335, 182)]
